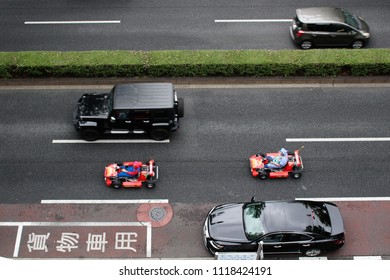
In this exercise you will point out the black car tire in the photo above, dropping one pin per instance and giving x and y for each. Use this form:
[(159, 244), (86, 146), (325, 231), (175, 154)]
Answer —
[(296, 175), (150, 185), (159, 134), (263, 175), (180, 109), (313, 252), (116, 184), (90, 134), (358, 44), (305, 45)]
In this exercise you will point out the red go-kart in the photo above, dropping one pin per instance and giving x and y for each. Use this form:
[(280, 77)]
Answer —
[(260, 168), (131, 174)]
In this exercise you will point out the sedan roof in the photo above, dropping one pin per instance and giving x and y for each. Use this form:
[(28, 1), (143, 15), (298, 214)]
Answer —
[(303, 216)]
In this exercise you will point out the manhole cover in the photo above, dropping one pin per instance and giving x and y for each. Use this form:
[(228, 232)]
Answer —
[(157, 213)]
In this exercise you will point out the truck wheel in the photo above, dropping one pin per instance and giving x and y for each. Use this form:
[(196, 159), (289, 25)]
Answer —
[(90, 134), (159, 134), (180, 109)]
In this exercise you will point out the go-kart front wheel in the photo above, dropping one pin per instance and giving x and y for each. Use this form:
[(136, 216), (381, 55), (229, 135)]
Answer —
[(263, 175), (150, 185), (116, 184)]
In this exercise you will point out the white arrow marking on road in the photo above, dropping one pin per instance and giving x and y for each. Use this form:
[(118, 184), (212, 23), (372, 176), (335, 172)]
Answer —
[(359, 139), (253, 20), (74, 22)]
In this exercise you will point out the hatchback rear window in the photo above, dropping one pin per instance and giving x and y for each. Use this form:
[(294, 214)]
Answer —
[(297, 22), (320, 219)]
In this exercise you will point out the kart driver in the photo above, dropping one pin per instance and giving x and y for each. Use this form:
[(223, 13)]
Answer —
[(279, 161), (130, 170)]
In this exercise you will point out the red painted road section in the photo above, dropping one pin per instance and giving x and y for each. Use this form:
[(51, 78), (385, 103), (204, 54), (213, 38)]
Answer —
[(153, 230)]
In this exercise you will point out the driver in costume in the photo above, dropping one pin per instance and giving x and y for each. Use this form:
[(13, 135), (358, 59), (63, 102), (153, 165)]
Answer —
[(278, 161), (129, 170)]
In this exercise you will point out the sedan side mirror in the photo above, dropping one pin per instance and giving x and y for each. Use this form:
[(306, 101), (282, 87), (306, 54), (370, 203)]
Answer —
[(253, 199)]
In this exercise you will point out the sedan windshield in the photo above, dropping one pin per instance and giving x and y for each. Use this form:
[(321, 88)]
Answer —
[(252, 216)]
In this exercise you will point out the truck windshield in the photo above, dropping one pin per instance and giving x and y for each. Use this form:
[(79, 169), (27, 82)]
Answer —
[(111, 100)]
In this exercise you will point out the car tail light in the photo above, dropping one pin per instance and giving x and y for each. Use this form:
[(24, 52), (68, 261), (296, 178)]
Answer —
[(339, 241), (300, 33)]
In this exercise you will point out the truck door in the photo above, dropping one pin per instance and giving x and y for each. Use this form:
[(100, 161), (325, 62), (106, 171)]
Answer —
[(121, 120), (141, 119)]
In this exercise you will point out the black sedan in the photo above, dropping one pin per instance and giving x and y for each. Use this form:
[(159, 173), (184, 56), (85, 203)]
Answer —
[(303, 227)]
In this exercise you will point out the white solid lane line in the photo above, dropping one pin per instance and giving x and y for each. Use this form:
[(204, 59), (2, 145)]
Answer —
[(358, 139), (119, 141), (106, 201), (346, 199), (74, 22), (253, 20)]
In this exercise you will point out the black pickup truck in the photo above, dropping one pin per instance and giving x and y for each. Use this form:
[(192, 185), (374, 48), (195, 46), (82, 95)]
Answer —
[(141, 108)]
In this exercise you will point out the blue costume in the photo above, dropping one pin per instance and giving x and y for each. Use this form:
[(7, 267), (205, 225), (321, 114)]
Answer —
[(280, 160), (131, 171)]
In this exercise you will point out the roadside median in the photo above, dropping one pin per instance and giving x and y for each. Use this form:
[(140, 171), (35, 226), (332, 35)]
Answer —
[(196, 64)]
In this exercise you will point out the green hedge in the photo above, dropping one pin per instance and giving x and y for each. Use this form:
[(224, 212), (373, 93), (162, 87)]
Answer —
[(197, 63)]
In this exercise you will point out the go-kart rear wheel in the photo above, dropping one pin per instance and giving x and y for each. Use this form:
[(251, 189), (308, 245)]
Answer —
[(150, 185), (296, 175)]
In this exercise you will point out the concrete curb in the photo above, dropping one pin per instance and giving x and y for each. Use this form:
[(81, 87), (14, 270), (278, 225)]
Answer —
[(202, 81)]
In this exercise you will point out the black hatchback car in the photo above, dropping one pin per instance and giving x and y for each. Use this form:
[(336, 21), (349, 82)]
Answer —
[(326, 26), (303, 227)]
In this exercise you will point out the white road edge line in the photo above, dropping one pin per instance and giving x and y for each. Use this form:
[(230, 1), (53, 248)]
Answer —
[(358, 139), (18, 241), (367, 258), (313, 258), (119, 141), (120, 201), (252, 20), (354, 258), (346, 199), (74, 22)]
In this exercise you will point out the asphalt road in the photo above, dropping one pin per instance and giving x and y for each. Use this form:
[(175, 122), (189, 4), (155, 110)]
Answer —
[(168, 24), (207, 159)]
